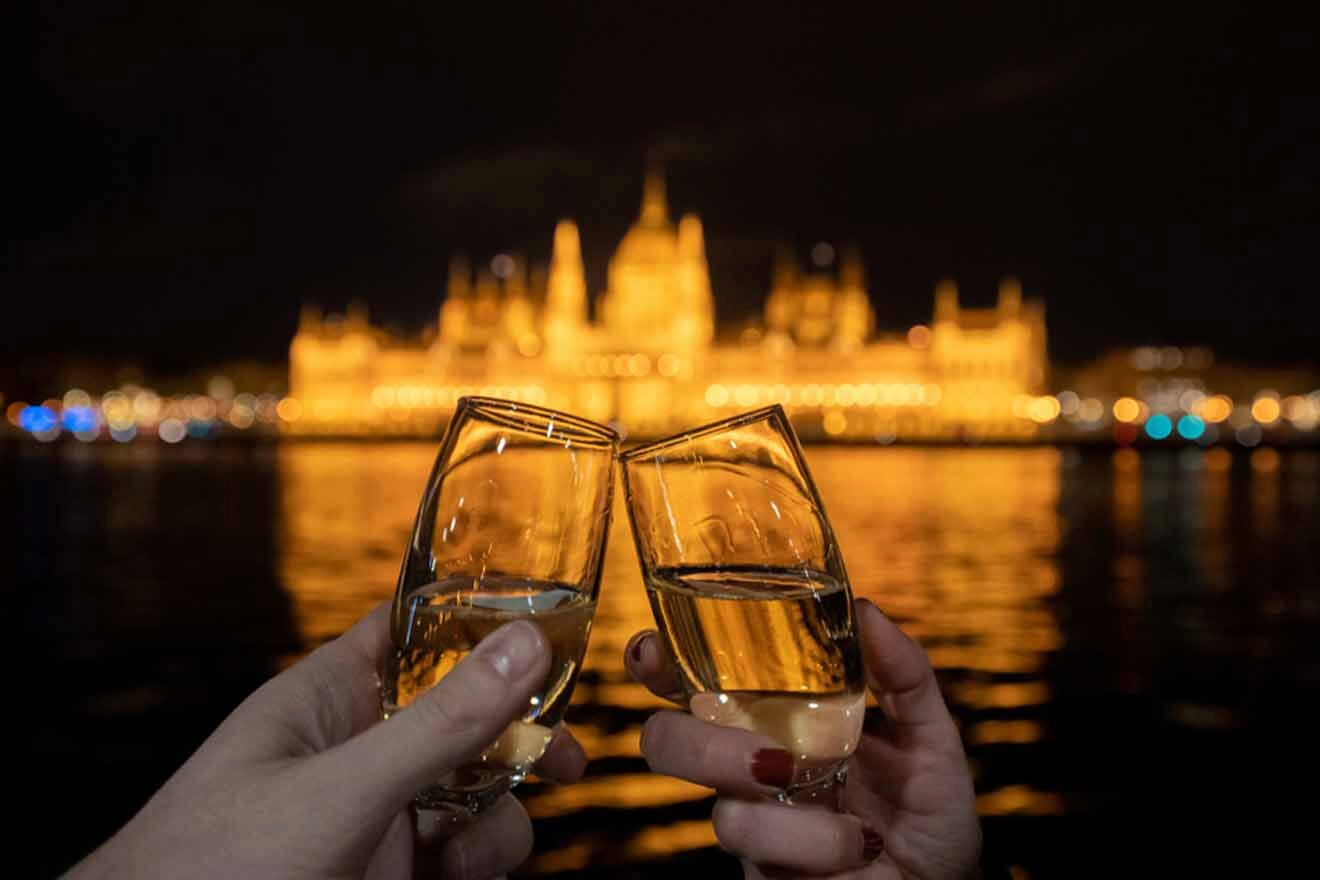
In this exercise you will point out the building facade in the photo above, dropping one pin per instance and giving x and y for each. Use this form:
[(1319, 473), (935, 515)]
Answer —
[(650, 361)]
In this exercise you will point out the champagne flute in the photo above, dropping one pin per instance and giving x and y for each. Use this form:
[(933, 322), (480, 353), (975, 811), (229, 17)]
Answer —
[(749, 590), (512, 526)]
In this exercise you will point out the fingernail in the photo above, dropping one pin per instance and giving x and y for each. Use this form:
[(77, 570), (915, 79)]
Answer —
[(635, 649), (512, 649), (773, 767), (872, 844)]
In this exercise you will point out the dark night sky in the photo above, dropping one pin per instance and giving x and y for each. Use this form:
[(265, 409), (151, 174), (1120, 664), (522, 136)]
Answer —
[(180, 179)]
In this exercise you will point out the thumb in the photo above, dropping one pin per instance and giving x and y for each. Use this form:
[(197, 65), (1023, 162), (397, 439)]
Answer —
[(380, 769)]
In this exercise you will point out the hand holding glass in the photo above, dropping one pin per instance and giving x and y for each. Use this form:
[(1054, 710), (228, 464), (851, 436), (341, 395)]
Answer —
[(749, 590), (512, 526)]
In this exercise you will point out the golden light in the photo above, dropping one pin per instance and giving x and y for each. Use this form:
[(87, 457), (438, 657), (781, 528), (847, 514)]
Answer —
[(14, 410), (118, 411), (1216, 409), (289, 409), (1127, 410), (202, 407), (1218, 460), (717, 395), (668, 364), (76, 398), (639, 365), (919, 337), (1091, 410), (1265, 410), (1043, 410), (745, 395), (1296, 408), (147, 406), (834, 423), (529, 345)]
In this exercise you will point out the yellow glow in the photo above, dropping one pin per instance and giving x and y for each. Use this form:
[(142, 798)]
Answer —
[(834, 423), (202, 407), (919, 337), (1019, 800), (989, 732), (666, 839), (241, 417), (1002, 695), (1043, 410), (669, 364), (717, 395), (1216, 409), (76, 397), (289, 409), (745, 395), (1265, 410), (147, 407), (1217, 460), (1127, 410), (1091, 410)]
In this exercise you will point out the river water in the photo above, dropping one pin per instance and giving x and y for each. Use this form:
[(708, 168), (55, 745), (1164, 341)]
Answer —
[(1126, 640)]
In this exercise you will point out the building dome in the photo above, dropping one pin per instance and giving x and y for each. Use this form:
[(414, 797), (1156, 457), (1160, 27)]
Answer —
[(658, 294)]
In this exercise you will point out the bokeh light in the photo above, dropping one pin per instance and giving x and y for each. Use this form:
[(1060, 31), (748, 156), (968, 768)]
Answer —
[(1216, 409), (1127, 410), (1265, 410), (1159, 426), (1190, 427)]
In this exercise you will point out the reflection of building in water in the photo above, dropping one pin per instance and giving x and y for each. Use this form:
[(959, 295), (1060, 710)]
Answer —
[(650, 359)]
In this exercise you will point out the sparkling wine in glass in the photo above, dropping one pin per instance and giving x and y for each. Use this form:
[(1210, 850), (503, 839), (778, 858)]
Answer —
[(749, 589), (512, 526)]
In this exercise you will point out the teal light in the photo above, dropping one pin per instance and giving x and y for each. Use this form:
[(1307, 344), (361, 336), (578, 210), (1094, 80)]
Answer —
[(1191, 427), (1159, 426)]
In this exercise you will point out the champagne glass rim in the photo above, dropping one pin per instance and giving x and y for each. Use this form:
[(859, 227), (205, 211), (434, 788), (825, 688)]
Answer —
[(647, 450), (536, 419)]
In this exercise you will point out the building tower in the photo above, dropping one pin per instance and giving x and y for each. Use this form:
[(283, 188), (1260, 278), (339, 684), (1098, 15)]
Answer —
[(565, 295), (659, 296), (854, 318), (455, 313)]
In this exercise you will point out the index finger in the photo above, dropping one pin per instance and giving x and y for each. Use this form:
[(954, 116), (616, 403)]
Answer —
[(898, 671)]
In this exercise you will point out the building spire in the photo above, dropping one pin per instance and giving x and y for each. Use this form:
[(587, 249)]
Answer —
[(655, 208)]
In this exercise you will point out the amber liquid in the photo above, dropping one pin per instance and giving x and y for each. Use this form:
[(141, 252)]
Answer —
[(445, 621), (768, 650)]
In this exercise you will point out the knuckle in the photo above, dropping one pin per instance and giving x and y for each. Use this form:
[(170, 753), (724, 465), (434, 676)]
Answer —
[(655, 741)]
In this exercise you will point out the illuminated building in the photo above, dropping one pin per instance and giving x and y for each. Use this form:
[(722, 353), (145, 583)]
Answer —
[(650, 359)]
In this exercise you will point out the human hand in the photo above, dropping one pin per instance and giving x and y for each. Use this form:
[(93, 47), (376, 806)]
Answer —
[(302, 781), (910, 810)]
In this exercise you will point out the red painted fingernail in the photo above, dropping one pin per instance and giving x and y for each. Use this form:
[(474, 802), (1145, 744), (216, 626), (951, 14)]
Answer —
[(872, 844), (773, 767), (635, 649)]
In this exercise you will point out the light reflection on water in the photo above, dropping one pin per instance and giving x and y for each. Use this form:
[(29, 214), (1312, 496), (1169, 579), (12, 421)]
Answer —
[(960, 546), (1123, 637)]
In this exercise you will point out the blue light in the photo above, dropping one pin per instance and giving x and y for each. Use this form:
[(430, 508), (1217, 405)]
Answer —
[(37, 419), (1159, 426), (80, 418), (1190, 427)]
